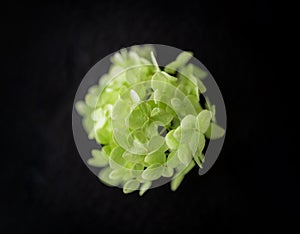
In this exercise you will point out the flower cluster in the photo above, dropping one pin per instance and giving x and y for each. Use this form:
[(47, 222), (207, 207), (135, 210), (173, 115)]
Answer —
[(148, 120)]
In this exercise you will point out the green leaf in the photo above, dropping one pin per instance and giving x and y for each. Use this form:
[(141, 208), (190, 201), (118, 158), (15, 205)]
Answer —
[(184, 154), (145, 187), (203, 120), (153, 172), (214, 131), (171, 140), (131, 186)]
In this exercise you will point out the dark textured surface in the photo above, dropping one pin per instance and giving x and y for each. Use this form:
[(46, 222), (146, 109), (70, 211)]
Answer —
[(48, 48)]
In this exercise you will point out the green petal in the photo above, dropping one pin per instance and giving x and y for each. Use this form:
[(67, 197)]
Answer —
[(91, 100), (137, 119), (145, 187), (162, 117), (214, 131), (99, 159), (184, 154), (134, 96), (171, 140), (167, 172), (176, 182), (155, 143), (203, 120), (116, 174), (188, 122), (153, 172), (131, 186), (136, 158), (82, 108), (157, 157), (116, 160), (173, 160)]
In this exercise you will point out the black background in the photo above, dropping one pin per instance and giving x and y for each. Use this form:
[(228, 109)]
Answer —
[(47, 49)]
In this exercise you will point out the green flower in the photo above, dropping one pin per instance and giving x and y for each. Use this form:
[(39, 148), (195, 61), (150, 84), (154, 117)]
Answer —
[(148, 122)]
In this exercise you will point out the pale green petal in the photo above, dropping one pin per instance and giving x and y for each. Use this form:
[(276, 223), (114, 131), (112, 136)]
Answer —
[(176, 182), (131, 186), (116, 161), (153, 172), (203, 120), (157, 157), (184, 154), (214, 131), (82, 108), (168, 172), (171, 140), (155, 143), (145, 187)]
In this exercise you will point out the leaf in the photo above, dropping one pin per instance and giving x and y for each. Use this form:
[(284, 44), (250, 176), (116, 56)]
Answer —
[(152, 172), (130, 186), (145, 187), (171, 140), (184, 154), (214, 131)]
